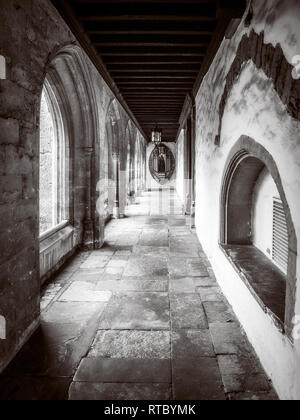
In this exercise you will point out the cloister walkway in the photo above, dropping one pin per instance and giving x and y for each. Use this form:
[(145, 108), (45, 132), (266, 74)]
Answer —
[(142, 318)]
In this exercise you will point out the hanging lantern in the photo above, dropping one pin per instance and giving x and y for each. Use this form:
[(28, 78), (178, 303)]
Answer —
[(156, 135)]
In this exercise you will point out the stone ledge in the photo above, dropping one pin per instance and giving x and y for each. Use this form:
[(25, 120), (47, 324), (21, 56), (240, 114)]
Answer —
[(55, 249), (276, 311)]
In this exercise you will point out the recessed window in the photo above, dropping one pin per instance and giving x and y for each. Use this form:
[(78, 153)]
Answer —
[(53, 190), (256, 233), (269, 226)]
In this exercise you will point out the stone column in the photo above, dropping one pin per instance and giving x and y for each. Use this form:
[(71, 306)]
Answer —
[(88, 223), (116, 162), (193, 157)]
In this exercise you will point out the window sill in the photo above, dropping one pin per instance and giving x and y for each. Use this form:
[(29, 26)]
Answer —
[(265, 281), (53, 230)]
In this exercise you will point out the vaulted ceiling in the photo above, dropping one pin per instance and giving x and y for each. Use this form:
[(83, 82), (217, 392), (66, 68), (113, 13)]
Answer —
[(152, 53)]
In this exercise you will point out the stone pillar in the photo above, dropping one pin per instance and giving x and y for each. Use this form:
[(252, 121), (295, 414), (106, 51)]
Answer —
[(193, 157), (116, 209), (123, 178), (88, 223)]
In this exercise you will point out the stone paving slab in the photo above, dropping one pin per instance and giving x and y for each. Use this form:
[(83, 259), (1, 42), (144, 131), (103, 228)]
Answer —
[(72, 312), (218, 312), (140, 311), (210, 294), (119, 392), (124, 370), (242, 373), (187, 311), (183, 285), (95, 261), (141, 266), (253, 396), (204, 282), (133, 285), (199, 380), (84, 292), (151, 250), (131, 344), (191, 344), (88, 276), (229, 339)]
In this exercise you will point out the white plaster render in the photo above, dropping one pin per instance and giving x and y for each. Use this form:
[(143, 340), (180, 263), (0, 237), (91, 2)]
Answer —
[(253, 109)]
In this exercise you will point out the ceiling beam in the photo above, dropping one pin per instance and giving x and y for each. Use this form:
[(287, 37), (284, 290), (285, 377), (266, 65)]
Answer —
[(148, 70), (156, 84), (143, 44), (150, 32), (147, 17), (146, 78), (68, 15), (152, 60), (142, 53), (145, 1)]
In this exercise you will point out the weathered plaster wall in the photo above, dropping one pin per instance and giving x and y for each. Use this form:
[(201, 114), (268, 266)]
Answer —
[(35, 41), (256, 97)]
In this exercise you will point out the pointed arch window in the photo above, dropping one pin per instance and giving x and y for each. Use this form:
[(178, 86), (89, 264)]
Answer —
[(53, 183)]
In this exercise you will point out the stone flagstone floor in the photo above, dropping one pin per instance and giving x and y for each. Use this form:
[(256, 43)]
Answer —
[(143, 318)]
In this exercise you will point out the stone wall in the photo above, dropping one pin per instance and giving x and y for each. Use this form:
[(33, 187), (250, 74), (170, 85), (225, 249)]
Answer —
[(36, 42), (251, 90)]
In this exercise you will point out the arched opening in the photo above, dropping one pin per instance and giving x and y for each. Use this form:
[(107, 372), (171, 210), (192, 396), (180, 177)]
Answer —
[(257, 232), (68, 111), (128, 174), (162, 164), (112, 123), (53, 183)]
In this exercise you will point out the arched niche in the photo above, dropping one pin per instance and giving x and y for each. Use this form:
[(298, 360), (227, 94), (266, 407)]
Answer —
[(244, 166), (113, 130), (54, 182)]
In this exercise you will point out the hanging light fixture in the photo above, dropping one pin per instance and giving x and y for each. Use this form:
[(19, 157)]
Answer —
[(156, 135)]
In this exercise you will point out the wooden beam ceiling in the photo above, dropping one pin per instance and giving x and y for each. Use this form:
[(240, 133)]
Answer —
[(152, 53)]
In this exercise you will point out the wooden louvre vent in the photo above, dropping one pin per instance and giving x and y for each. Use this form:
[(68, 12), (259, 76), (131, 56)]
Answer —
[(280, 251)]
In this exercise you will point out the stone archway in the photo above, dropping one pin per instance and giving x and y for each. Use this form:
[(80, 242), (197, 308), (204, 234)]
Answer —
[(246, 161), (67, 77)]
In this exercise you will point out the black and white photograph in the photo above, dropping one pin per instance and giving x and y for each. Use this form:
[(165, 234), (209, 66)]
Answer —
[(149, 203)]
